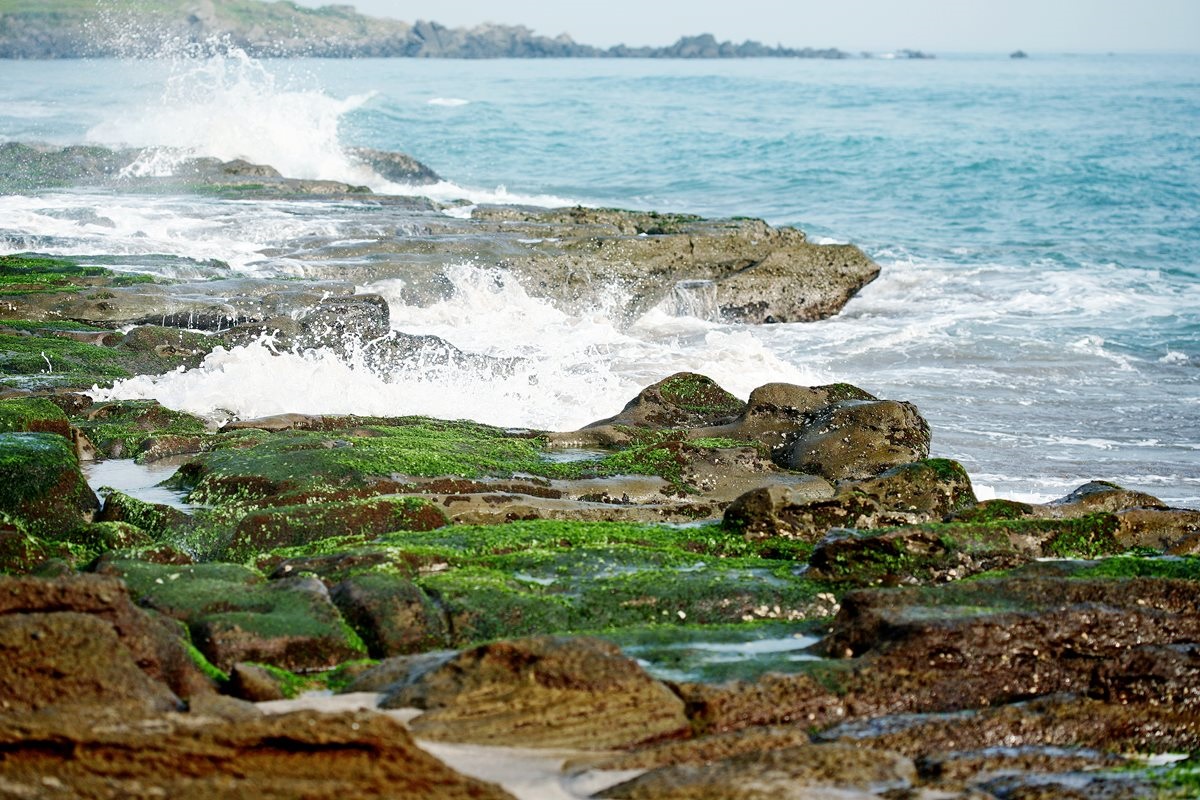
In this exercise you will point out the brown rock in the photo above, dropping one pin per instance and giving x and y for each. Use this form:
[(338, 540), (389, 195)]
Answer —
[(776, 411), (252, 682), (72, 659), (857, 439), (392, 614), (798, 772), (155, 645), (1174, 531), (1098, 496), (305, 754), (683, 400), (543, 692)]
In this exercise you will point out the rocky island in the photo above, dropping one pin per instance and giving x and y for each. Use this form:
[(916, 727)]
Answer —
[(699, 596)]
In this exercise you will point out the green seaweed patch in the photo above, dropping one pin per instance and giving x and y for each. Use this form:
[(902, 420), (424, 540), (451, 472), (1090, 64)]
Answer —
[(482, 604), (41, 484), (63, 360), (192, 584), (27, 273), (50, 327), (700, 395), (120, 428), (97, 538), (203, 664), (1186, 568), (1089, 536), (32, 414), (24, 554), (994, 511), (1179, 780), (295, 525)]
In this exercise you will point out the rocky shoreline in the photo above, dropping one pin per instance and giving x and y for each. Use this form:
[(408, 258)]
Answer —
[(53, 29), (698, 597)]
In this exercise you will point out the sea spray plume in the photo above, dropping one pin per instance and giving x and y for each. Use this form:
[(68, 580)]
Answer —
[(218, 101)]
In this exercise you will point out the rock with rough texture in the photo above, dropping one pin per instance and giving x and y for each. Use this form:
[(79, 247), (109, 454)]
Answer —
[(858, 439), (71, 659), (775, 412), (392, 614), (254, 683), (908, 494), (204, 756), (683, 400), (1098, 496), (41, 485), (542, 692), (94, 608), (790, 773)]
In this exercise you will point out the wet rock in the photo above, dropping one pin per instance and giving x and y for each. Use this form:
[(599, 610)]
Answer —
[(392, 614), (289, 526), (922, 553), (396, 167), (957, 768), (683, 400), (542, 692), (41, 486), (775, 412), (908, 494), (234, 615), (794, 772), (152, 646), (125, 428), (199, 757), (858, 439), (22, 554), (154, 518), (1098, 496), (1060, 721)]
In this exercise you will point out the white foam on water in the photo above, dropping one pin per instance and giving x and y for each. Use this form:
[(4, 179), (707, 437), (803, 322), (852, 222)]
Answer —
[(448, 102)]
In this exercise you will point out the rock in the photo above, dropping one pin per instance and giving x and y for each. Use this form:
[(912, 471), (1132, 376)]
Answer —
[(1173, 531), (393, 615), (234, 615), (542, 692), (33, 415), (22, 554), (797, 772), (858, 439), (396, 167), (150, 644), (41, 484), (274, 757), (1098, 496), (72, 659), (289, 526), (776, 412), (908, 494), (684, 400), (254, 683), (155, 519), (702, 750)]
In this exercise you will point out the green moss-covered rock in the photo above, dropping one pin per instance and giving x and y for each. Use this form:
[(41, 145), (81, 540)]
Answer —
[(27, 273), (157, 520), (41, 484), (96, 538), (391, 614), (34, 415), (234, 615), (121, 429), (22, 554), (289, 526), (948, 551)]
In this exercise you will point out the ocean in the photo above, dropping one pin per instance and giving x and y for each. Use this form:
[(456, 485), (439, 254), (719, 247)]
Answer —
[(1037, 223)]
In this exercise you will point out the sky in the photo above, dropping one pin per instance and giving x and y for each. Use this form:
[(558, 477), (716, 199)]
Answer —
[(875, 25)]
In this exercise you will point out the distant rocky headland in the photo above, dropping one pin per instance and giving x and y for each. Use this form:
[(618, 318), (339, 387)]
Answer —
[(37, 29)]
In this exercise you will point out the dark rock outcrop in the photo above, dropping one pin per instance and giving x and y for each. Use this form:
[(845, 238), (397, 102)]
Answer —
[(857, 439)]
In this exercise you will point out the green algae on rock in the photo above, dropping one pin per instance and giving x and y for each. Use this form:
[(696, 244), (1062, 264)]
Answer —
[(41, 485)]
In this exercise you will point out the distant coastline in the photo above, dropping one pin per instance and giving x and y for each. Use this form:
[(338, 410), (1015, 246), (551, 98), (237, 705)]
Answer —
[(59, 29)]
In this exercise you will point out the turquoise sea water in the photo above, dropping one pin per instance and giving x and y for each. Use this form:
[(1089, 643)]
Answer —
[(1038, 221)]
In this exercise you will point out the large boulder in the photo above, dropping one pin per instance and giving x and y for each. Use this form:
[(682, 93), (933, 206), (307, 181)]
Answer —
[(857, 439), (542, 692), (81, 640), (391, 613)]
